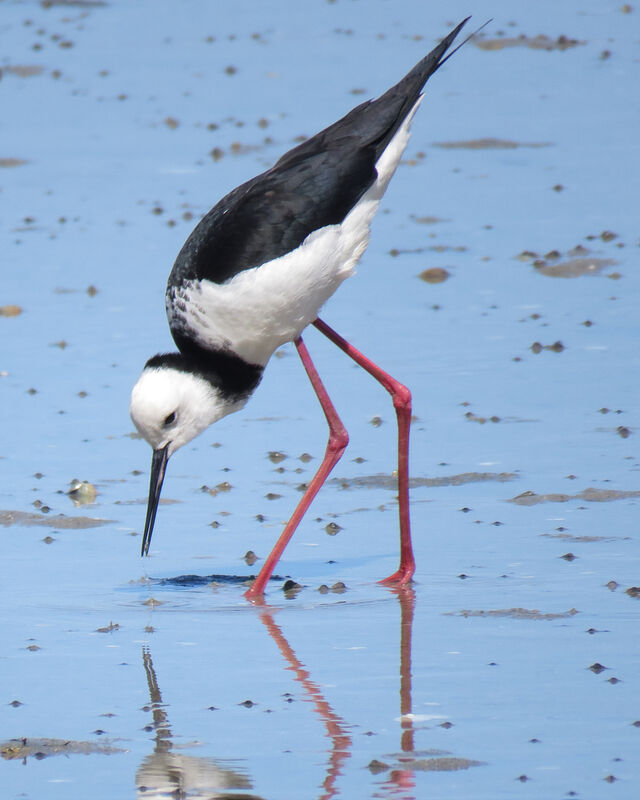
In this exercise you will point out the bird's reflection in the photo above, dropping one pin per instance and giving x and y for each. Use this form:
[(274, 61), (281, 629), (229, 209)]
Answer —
[(166, 773)]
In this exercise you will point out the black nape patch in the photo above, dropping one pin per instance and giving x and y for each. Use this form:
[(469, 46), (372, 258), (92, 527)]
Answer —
[(229, 374)]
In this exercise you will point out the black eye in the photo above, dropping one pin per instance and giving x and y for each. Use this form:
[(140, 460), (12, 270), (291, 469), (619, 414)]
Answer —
[(169, 419)]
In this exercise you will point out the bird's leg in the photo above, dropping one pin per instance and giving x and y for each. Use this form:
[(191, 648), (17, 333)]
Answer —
[(402, 403), (338, 440)]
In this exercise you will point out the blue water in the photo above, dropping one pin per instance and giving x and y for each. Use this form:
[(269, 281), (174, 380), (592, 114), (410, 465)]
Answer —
[(117, 131)]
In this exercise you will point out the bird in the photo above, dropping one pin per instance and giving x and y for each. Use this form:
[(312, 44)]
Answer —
[(256, 271)]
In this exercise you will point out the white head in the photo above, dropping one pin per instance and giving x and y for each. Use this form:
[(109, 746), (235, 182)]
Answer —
[(170, 407)]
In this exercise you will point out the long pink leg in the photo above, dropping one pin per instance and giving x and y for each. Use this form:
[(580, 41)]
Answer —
[(402, 404), (338, 440)]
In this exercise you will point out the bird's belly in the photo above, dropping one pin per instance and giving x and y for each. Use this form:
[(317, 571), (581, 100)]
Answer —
[(261, 308)]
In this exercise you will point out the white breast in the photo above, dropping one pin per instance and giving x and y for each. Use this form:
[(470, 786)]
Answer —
[(259, 309)]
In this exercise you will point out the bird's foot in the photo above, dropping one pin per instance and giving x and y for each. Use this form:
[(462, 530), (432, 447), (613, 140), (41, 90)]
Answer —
[(255, 594), (403, 576)]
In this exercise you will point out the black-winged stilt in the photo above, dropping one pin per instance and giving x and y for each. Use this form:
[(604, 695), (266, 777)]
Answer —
[(256, 271)]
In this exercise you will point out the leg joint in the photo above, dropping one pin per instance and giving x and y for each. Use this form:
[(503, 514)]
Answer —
[(338, 440), (402, 397)]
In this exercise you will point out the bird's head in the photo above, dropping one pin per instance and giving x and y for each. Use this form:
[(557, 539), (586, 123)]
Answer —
[(170, 406)]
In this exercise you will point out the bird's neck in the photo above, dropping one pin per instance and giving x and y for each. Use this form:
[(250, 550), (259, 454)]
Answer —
[(227, 372)]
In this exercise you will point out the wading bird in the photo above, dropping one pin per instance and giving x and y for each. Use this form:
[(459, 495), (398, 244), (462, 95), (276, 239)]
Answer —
[(256, 271)]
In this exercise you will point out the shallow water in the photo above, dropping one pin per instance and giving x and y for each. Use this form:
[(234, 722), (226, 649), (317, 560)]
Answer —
[(510, 668)]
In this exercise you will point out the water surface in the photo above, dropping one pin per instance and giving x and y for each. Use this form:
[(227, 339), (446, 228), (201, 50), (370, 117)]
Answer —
[(510, 667)]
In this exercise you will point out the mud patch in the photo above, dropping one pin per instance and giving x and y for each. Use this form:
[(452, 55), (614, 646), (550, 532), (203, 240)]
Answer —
[(434, 275), (540, 42), (43, 748), (72, 3), (488, 143), (574, 268), (12, 162), (606, 495), (591, 495), (391, 482), (514, 613), (142, 501), (10, 310), (445, 764), (584, 539), (482, 420), (440, 762), (23, 70), (60, 521), (578, 261)]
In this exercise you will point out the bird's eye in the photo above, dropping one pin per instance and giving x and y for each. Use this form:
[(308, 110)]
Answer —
[(169, 419)]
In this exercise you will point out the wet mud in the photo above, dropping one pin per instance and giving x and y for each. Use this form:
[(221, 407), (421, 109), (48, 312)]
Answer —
[(439, 764), (434, 275), (61, 521), (26, 748), (574, 268), (539, 42), (516, 613), (591, 495), (488, 144), (391, 481)]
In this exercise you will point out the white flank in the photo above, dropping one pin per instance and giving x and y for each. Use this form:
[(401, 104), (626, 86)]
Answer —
[(259, 309)]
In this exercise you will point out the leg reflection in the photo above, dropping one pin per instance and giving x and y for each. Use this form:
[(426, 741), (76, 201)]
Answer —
[(404, 778), (336, 728)]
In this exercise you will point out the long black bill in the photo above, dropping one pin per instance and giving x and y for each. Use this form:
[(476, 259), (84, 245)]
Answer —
[(158, 466)]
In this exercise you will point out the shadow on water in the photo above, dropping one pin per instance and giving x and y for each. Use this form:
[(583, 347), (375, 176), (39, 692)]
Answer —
[(207, 580)]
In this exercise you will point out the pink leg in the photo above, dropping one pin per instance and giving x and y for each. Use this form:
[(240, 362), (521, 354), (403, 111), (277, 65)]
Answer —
[(402, 404), (338, 440)]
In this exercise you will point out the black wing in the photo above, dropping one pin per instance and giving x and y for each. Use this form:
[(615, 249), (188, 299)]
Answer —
[(311, 186)]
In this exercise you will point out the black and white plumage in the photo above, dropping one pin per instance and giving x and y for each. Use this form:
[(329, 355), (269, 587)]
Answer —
[(258, 268)]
